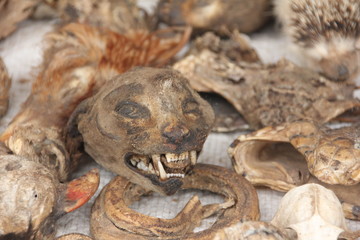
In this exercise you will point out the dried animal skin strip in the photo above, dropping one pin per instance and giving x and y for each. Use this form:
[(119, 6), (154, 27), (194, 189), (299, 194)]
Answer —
[(147, 125), (313, 212), (276, 157), (268, 94), (74, 236), (13, 12), (113, 219), (215, 15), (118, 16), (5, 83)]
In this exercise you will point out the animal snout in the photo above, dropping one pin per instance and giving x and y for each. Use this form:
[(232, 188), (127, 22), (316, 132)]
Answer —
[(175, 133)]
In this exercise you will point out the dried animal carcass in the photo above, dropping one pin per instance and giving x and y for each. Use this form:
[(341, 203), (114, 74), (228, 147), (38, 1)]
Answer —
[(5, 83), (147, 125), (113, 219), (215, 15), (75, 53), (283, 157), (324, 33), (313, 212), (268, 95)]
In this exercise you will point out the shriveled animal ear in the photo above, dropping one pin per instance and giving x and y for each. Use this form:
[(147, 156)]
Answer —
[(77, 192), (73, 138)]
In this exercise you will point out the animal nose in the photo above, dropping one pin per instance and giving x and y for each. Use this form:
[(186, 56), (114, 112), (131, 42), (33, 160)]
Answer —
[(175, 133), (343, 72)]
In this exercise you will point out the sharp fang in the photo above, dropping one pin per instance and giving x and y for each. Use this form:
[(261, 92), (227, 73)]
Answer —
[(156, 160), (161, 170), (193, 157), (151, 168)]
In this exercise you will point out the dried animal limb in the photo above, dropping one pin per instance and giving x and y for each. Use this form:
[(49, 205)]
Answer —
[(78, 60), (215, 15), (13, 12), (314, 212), (5, 83), (118, 16), (74, 236), (270, 94), (113, 219), (147, 125), (282, 158), (250, 230)]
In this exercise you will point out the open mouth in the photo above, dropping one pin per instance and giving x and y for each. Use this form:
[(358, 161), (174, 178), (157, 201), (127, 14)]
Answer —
[(165, 166)]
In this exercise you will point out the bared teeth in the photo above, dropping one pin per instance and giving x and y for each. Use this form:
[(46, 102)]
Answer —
[(193, 157), (172, 157), (169, 175), (161, 171)]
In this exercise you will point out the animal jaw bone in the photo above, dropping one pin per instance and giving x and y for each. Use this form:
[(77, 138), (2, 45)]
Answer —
[(112, 218), (313, 211)]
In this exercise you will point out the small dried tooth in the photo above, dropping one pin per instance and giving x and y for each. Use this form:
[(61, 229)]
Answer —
[(142, 166), (161, 170), (133, 162), (171, 157), (193, 157), (151, 168), (184, 156), (169, 175)]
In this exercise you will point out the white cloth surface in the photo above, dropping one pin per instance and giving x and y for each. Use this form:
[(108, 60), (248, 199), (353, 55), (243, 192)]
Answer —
[(22, 52)]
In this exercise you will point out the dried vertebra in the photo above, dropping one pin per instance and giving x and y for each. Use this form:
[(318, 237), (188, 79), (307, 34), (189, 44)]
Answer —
[(314, 212), (113, 219), (325, 33)]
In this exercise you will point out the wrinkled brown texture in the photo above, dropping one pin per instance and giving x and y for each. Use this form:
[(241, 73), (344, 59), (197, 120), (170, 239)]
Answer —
[(283, 157), (268, 94), (12, 12), (118, 16), (113, 219), (215, 15), (5, 83), (144, 117)]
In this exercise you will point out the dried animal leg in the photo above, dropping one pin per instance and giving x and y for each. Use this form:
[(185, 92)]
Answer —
[(277, 157), (13, 12), (5, 83), (215, 15), (268, 94), (113, 219)]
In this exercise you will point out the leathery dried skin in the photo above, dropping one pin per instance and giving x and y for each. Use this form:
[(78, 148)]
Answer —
[(112, 218), (5, 83), (314, 212), (74, 236)]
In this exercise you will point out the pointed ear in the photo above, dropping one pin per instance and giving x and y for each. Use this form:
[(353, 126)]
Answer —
[(77, 192)]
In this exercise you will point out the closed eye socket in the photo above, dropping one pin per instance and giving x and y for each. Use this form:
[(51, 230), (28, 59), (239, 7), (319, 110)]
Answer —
[(191, 107), (132, 110)]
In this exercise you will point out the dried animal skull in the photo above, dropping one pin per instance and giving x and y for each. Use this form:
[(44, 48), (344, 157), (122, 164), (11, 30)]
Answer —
[(283, 157), (216, 15), (314, 212), (112, 219), (268, 95), (147, 125)]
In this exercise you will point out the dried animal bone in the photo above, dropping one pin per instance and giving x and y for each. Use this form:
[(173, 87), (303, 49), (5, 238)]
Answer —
[(324, 33), (268, 94), (314, 212), (13, 12), (147, 125), (112, 218), (79, 59), (5, 83), (74, 236), (219, 16), (250, 230), (117, 16), (282, 158)]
